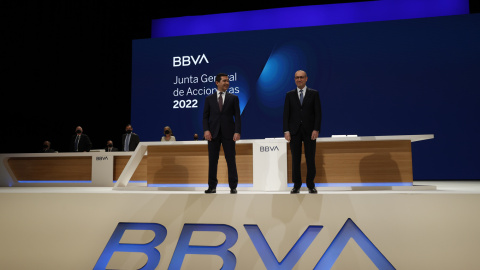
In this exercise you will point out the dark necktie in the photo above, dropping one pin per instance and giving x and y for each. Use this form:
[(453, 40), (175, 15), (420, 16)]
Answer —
[(301, 97), (76, 143), (220, 101)]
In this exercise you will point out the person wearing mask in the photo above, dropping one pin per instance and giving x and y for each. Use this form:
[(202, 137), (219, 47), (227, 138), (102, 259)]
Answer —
[(46, 148), (168, 135), (130, 140), (110, 147), (80, 142), (195, 137)]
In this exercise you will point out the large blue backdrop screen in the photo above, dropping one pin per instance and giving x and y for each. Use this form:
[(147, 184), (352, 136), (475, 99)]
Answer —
[(416, 76)]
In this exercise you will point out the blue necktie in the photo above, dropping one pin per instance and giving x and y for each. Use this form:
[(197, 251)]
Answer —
[(127, 142), (301, 97)]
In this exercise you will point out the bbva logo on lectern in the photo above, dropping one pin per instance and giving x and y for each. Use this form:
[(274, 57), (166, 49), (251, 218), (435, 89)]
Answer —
[(269, 148), (349, 230)]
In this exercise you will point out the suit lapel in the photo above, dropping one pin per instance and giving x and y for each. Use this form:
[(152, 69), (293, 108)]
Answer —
[(227, 100), (308, 93), (297, 98), (215, 102)]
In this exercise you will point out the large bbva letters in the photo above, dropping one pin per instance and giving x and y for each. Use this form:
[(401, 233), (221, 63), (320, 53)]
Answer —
[(292, 256), (183, 247), (349, 230), (149, 249)]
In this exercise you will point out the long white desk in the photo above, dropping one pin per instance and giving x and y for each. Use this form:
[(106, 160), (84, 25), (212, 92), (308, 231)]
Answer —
[(269, 163)]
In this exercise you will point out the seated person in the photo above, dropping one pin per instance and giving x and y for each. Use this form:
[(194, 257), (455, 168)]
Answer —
[(110, 147), (46, 148), (168, 135)]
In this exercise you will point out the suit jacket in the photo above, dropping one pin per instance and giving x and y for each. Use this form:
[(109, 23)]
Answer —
[(83, 145), (114, 149), (309, 114), (214, 119), (134, 141)]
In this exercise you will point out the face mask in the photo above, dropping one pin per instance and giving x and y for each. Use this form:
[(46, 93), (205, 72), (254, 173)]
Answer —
[(195, 138), (129, 131), (45, 146), (78, 131), (110, 145), (167, 132)]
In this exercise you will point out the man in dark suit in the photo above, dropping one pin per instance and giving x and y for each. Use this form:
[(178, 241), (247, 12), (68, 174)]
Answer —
[(220, 129), (80, 142), (130, 140), (110, 147), (301, 123)]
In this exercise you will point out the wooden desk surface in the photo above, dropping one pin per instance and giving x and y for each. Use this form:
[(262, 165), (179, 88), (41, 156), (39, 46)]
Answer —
[(359, 162), (338, 160), (188, 164)]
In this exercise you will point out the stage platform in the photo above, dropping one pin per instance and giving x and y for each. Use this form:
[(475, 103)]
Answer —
[(430, 225), (430, 187)]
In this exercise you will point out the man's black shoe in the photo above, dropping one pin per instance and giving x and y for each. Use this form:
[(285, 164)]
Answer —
[(233, 191), (211, 190), (312, 190), (295, 190)]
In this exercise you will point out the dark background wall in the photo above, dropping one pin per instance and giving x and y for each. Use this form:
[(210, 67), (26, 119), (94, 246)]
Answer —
[(66, 64), (69, 63)]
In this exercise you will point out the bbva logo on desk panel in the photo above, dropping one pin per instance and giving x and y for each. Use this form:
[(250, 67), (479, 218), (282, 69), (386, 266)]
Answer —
[(269, 149), (183, 248)]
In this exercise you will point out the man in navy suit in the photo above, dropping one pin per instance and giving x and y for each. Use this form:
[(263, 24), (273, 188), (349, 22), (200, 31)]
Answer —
[(301, 123), (80, 142), (221, 129), (130, 140)]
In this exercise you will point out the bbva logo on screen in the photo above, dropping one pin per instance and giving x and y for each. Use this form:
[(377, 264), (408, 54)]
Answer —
[(187, 60), (349, 231)]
